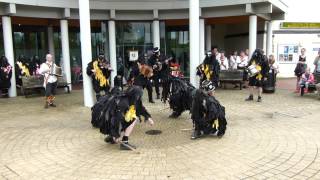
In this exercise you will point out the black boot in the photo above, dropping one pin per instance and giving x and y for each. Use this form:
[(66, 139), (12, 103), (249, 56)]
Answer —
[(125, 144), (259, 99), (250, 98), (151, 101), (109, 139), (195, 134), (174, 114), (158, 96)]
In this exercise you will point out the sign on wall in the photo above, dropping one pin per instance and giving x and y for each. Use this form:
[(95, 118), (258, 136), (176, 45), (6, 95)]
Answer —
[(133, 55), (299, 25), (288, 53)]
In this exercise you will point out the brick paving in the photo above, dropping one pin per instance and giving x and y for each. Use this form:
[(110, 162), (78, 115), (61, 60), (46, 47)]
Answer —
[(276, 139)]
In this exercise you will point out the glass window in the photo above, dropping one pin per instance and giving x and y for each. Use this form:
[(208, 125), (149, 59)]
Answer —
[(132, 36)]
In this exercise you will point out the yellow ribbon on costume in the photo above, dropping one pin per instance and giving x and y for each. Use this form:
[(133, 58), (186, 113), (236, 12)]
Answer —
[(103, 81), (24, 69), (207, 72), (215, 124), (130, 114), (259, 68)]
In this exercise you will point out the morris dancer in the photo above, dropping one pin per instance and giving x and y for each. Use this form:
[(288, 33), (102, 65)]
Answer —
[(209, 69), (100, 71), (260, 63), (140, 75), (207, 113), (119, 115)]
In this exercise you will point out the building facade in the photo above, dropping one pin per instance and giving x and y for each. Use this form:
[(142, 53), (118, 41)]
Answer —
[(300, 29), (76, 31)]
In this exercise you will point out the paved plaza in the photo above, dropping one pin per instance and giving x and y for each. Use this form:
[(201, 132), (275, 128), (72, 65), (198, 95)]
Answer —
[(277, 139)]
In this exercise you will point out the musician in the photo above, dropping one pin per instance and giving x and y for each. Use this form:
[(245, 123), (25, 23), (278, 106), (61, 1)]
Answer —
[(209, 69), (140, 75), (50, 80), (207, 114), (260, 63), (100, 71), (22, 69), (5, 76), (156, 65)]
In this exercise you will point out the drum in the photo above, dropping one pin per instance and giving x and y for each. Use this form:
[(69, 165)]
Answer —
[(57, 71), (252, 70)]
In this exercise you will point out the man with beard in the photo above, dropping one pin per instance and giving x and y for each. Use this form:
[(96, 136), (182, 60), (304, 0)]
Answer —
[(50, 80)]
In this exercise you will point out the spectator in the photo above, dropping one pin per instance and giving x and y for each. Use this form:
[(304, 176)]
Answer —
[(242, 61), (5, 76), (273, 64), (317, 63), (215, 52), (247, 53), (234, 58), (300, 68), (223, 61), (306, 79)]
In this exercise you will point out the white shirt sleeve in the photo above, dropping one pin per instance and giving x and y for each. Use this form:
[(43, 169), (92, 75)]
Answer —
[(44, 68), (226, 63)]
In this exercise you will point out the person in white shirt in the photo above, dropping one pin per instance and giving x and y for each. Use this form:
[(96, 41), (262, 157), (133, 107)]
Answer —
[(223, 61), (242, 61), (216, 52), (234, 58), (50, 80)]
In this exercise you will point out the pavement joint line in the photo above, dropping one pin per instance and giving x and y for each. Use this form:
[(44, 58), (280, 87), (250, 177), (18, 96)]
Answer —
[(11, 170)]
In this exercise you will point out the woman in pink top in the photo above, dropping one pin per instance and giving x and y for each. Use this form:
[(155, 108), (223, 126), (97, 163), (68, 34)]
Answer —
[(306, 79)]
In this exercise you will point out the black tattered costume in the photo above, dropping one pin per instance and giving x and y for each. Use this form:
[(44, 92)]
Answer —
[(208, 115), (140, 76), (209, 70), (99, 71), (261, 63), (115, 112), (179, 93)]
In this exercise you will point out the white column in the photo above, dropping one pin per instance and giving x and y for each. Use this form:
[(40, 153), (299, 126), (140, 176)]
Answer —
[(208, 38), (202, 41), (269, 38), (8, 49), (194, 39), (252, 34), (156, 33), (50, 41), (65, 50), (112, 51), (86, 51)]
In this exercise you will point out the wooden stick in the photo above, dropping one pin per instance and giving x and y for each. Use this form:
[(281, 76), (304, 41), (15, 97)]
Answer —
[(131, 148)]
